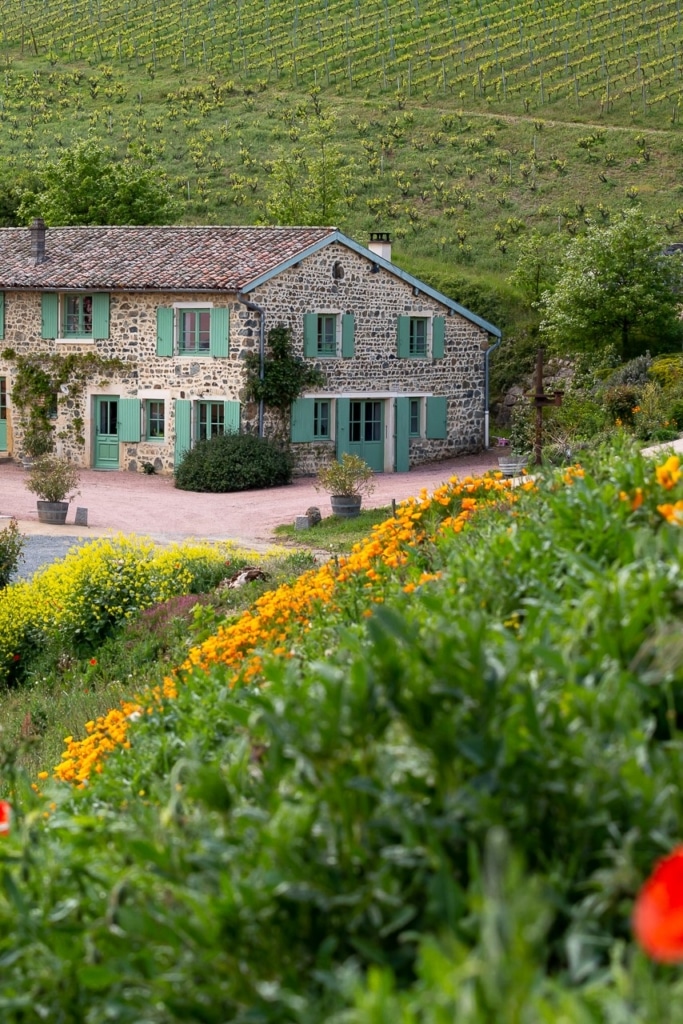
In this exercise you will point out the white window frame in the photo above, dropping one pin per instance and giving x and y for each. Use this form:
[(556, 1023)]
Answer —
[(337, 314)]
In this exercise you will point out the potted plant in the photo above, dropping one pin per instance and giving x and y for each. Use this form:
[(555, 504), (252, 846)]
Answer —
[(54, 481), (346, 481)]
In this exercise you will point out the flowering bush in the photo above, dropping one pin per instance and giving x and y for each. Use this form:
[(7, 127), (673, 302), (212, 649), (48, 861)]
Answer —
[(74, 602)]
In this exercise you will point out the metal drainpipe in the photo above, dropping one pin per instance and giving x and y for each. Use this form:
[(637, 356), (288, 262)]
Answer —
[(255, 308), (487, 353)]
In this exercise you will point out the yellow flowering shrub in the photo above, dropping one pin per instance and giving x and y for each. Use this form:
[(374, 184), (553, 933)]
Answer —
[(76, 599)]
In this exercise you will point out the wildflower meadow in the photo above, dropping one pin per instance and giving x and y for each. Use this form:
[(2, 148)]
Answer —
[(436, 779)]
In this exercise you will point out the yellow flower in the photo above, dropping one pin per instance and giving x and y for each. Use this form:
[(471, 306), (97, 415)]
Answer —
[(669, 474)]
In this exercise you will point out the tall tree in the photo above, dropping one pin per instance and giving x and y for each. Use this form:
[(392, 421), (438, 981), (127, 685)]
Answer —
[(87, 185), (616, 287)]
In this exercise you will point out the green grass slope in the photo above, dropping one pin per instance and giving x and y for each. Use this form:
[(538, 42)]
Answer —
[(462, 126), (424, 784)]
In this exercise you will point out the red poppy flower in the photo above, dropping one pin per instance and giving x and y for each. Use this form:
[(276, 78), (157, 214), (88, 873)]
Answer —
[(93, 661), (5, 815), (16, 657), (658, 911)]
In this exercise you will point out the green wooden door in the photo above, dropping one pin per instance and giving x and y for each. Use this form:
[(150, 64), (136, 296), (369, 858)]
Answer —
[(3, 414), (107, 432), (366, 432)]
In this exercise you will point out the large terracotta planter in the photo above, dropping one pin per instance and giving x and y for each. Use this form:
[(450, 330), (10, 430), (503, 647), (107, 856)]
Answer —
[(52, 512), (346, 506)]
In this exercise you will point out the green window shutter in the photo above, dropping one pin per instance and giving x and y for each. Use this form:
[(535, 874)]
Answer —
[(220, 332), (183, 437), (311, 335), (50, 315), (438, 337), (343, 410), (129, 419), (402, 435), (2, 315), (302, 419), (100, 316), (403, 337), (348, 336), (232, 417), (437, 409), (165, 331)]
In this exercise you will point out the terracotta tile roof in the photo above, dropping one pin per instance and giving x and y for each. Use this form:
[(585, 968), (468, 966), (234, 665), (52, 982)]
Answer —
[(150, 258)]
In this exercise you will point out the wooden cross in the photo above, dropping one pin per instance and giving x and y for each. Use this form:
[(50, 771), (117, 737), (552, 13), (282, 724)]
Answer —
[(540, 399)]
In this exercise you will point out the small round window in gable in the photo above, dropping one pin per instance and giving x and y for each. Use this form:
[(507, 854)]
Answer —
[(337, 272)]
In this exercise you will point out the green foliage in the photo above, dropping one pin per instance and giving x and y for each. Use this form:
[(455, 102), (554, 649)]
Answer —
[(616, 287), (620, 402), (234, 462), (285, 376), (85, 185), (440, 811), (539, 259), (347, 476), (11, 547), (312, 184), (53, 479), (41, 381), (334, 533)]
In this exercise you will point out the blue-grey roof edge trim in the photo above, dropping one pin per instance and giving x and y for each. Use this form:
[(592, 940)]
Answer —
[(339, 236)]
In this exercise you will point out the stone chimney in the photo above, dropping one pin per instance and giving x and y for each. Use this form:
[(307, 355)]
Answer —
[(37, 231), (380, 244)]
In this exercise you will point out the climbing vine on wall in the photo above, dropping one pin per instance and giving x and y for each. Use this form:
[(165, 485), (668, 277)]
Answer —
[(41, 382), (285, 376)]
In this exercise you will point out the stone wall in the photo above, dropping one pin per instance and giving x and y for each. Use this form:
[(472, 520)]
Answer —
[(334, 280)]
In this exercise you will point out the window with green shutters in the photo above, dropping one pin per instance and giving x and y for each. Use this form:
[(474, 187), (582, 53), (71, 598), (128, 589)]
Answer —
[(193, 331), (311, 419), (323, 332), (420, 337), (75, 315)]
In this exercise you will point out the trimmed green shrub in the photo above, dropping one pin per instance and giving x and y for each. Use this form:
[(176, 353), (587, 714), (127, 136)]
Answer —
[(234, 462)]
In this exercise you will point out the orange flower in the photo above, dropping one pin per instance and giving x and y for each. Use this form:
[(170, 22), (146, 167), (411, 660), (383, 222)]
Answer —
[(658, 911), (5, 815), (670, 473)]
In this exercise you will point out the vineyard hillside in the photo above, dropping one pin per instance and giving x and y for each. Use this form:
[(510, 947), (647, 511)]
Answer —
[(457, 127)]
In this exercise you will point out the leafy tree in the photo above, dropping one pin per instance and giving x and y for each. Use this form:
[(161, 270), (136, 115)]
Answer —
[(312, 184), (616, 288), (539, 258), (86, 185), (13, 185)]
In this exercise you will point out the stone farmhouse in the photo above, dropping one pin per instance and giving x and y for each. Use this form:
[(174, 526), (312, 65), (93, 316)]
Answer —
[(178, 308)]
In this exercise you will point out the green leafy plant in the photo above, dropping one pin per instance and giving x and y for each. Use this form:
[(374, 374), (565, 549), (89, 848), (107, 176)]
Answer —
[(284, 375), (53, 478), (351, 475), (234, 462), (11, 547)]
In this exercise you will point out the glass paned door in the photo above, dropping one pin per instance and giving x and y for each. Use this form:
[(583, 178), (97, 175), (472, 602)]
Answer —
[(366, 432), (106, 432), (3, 414)]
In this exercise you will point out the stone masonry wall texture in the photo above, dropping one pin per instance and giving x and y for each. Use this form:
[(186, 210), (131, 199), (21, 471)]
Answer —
[(335, 279)]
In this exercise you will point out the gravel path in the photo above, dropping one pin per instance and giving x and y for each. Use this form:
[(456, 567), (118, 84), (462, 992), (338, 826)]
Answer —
[(40, 551)]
